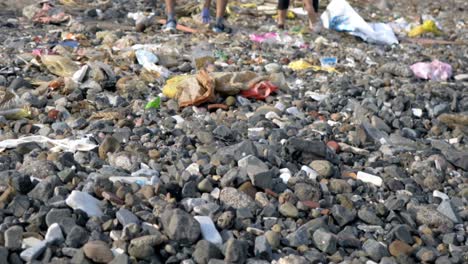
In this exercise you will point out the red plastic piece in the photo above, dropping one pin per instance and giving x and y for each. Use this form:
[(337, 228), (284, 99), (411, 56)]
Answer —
[(260, 91)]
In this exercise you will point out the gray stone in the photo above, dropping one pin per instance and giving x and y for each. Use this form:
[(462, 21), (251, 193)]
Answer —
[(235, 198), (446, 208), (54, 234), (403, 233), (142, 252), (380, 124), (120, 259), (3, 255), (34, 252), (238, 151), (13, 237), (152, 240), (258, 171), (343, 215), (77, 237), (302, 236), (42, 191), (19, 205), (56, 215), (262, 248), (369, 216), (126, 217), (325, 241), (307, 191), (235, 251), (375, 250), (433, 218), (204, 251), (37, 168), (180, 226)]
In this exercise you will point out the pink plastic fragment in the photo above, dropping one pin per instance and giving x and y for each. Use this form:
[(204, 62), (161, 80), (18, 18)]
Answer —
[(264, 37), (436, 70)]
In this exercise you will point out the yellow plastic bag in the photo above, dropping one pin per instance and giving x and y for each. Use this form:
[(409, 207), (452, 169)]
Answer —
[(170, 90), (428, 26), (300, 65)]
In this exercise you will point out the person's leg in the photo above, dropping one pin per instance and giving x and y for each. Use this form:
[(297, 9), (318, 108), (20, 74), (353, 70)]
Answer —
[(171, 23), (311, 11), (206, 18), (283, 6), (220, 11)]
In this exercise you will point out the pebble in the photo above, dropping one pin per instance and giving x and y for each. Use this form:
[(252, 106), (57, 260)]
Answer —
[(289, 210), (98, 251), (126, 217), (13, 237), (235, 199)]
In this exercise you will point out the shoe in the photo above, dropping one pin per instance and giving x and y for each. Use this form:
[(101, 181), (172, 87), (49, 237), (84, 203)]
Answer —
[(171, 26), (220, 28)]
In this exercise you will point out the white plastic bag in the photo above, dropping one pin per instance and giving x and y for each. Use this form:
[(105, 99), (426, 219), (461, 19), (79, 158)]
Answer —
[(340, 16)]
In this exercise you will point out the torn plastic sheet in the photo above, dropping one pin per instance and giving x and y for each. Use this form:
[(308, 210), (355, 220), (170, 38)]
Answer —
[(70, 145), (340, 16)]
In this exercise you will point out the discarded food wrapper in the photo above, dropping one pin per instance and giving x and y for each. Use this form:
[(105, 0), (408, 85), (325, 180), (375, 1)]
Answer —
[(328, 61), (70, 145), (340, 16), (260, 91), (428, 26), (435, 70)]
